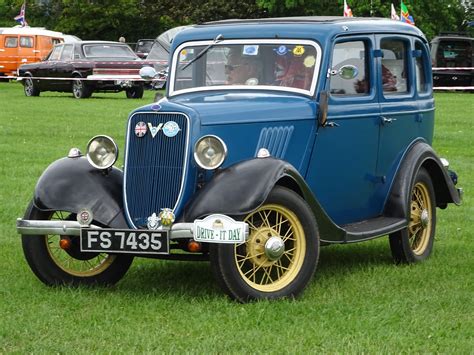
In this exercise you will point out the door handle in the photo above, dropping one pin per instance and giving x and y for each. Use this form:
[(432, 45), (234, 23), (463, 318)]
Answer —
[(387, 120)]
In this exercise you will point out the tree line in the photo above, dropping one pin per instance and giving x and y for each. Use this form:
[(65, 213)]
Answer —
[(135, 19)]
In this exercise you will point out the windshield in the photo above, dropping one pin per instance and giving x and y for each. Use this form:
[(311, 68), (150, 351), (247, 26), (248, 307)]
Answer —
[(109, 52), (288, 65)]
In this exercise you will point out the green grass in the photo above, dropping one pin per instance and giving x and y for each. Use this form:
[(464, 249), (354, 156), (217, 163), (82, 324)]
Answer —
[(359, 301)]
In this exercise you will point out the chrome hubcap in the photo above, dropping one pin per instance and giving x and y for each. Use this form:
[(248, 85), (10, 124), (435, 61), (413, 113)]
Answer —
[(274, 248)]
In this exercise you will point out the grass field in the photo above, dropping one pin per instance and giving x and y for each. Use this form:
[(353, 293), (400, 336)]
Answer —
[(359, 301)]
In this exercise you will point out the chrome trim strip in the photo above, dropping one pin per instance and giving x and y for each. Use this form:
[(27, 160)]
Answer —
[(262, 41), (185, 168)]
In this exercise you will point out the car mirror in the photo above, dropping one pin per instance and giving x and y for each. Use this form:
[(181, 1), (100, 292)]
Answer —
[(348, 72), (323, 108), (147, 73)]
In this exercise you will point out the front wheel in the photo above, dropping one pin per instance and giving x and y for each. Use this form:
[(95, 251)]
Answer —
[(415, 243), (280, 255), (54, 264), (30, 87)]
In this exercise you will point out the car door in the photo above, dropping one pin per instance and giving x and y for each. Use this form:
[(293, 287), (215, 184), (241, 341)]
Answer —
[(64, 67), (343, 164), (47, 70), (400, 114)]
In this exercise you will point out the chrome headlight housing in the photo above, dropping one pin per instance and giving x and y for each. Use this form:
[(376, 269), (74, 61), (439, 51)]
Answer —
[(102, 152), (210, 152)]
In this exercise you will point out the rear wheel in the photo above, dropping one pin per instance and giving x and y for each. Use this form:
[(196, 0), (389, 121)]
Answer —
[(415, 243), (80, 89), (135, 92), (55, 264), (280, 255), (30, 87)]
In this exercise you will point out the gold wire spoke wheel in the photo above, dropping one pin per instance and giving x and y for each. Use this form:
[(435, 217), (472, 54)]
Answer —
[(83, 267), (266, 269), (420, 224)]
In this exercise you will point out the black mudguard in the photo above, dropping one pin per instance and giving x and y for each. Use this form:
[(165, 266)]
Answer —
[(420, 155), (243, 187), (72, 184)]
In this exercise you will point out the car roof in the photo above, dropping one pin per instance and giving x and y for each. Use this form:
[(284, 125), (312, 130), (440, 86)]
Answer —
[(318, 28)]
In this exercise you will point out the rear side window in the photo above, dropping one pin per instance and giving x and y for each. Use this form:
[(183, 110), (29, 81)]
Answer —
[(349, 73), (55, 54), (26, 42), (67, 52), (11, 42), (394, 66), (420, 67)]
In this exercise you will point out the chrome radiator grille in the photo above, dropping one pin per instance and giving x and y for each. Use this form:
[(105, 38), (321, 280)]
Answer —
[(154, 166)]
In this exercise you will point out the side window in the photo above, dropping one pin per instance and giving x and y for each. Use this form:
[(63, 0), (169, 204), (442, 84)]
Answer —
[(11, 42), (26, 42), (67, 52), (55, 54), (394, 66), (420, 67), (349, 69)]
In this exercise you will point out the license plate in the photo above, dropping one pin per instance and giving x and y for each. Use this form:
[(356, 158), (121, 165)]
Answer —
[(124, 241), (219, 228)]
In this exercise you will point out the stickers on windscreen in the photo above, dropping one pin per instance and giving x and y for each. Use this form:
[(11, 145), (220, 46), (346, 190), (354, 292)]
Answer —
[(281, 50), (309, 61), (298, 51), (250, 50)]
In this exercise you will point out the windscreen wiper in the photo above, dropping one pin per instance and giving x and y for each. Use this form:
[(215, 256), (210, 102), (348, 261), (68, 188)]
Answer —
[(218, 38)]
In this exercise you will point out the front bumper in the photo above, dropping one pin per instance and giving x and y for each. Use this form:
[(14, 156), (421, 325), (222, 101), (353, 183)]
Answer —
[(73, 228)]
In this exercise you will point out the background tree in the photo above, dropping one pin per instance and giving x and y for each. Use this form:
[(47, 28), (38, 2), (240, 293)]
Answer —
[(134, 19)]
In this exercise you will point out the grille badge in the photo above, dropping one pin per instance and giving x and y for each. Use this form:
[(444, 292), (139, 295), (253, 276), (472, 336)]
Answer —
[(140, 129)]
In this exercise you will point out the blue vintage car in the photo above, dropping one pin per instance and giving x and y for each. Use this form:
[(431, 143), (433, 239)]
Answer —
[(275, 137)]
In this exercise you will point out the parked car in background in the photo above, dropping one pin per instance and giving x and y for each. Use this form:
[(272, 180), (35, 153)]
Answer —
[(311, 131), (22, 45), (143, 47), (452, 56), (92, 66)]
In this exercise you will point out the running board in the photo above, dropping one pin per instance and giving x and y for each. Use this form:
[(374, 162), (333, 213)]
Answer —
[(373, 228)]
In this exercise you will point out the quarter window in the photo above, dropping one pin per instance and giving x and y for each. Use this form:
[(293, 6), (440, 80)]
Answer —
[(55, 54), (349, 73), (394, 66), (67, 52), (420, 67), (26, 42), (11, 42)]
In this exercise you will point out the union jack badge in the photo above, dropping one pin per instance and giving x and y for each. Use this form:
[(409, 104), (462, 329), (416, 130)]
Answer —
[(140, 129)]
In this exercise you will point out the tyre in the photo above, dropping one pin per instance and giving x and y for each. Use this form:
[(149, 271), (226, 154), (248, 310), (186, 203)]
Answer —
[(135, 92), (415, 243), (80, 90), (280, 255), (54, 265), (30, 87)]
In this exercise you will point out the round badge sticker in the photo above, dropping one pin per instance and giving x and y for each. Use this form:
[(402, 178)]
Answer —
[(140, 129), (309, 61), (281, 50), (298, 51), (156, 107), (171, 129)]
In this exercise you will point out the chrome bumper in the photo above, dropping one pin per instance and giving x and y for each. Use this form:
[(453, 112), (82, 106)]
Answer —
[(35, 227)]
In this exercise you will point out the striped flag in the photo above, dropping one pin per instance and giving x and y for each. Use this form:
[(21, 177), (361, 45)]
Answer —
[(21, 18), (405, 15)]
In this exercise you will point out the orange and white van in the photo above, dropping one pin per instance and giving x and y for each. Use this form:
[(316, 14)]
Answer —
[(20, 45)]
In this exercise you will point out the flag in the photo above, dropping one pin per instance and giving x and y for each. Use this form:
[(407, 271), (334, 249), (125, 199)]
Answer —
[(405, 15), (395, 16), (347, 10), (21, 16)]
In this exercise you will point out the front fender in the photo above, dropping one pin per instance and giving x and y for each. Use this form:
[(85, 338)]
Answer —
[(243, 187), (420, 154), (72, 184)]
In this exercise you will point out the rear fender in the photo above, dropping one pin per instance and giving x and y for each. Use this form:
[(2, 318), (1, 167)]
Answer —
[(72, 184), (419, 155)]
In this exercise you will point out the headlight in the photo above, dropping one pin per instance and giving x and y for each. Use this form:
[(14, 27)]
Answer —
[(102, 152), (210, 152)]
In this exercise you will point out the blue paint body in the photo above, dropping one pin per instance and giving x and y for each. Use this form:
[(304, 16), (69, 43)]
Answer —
[(350, 167)]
